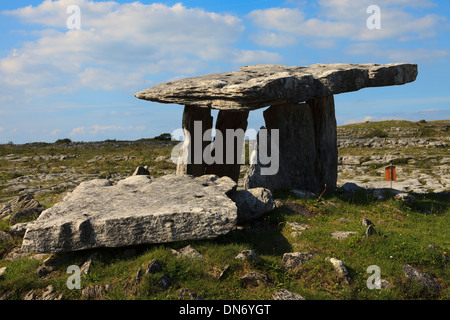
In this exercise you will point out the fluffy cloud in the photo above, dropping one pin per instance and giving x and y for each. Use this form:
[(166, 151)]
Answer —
[(345, 20), (119, 46)]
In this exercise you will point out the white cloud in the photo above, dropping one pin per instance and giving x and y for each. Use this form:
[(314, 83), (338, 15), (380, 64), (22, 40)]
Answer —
[(346, 19), (119, 46)]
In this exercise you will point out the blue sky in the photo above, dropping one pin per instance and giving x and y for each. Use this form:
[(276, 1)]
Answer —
[(79, 84)]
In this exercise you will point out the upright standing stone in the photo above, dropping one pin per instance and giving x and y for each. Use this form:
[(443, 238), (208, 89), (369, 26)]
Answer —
[(196, 121), (307, 147), (325, 130), (232, 126)]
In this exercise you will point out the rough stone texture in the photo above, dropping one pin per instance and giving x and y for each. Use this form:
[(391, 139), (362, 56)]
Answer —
[(421, 277), (258, 86), (340, 235), (307, 147), (341, 269), (21, 207), (254, 279), (294, 260), (236, 121), (253, 203), (190, 159), (284, 294), (188, 252), (247, 255), (135, 211)]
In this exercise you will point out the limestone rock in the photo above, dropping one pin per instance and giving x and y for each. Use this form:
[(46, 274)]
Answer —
[(340, 235), (253, 203), (259, 86), (254, 279), (247, 255), (301, 141), (188, 252), (284, 294), (141, 171), (421, 277), (341, 269), (294, 260), (136, 210)]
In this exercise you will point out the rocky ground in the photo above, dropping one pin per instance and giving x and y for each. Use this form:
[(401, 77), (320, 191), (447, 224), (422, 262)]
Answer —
[(305, 248)]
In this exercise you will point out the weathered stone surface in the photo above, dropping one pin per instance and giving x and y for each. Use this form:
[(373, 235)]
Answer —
[(341, 269), (254, 279), (188, 252), (284, 294), (196, 121), (421, 277), (340, 235), (135, 211), (232, 140), (247, 255), (21, 207), (306, 144), (253, 203), (258, 86), (294, 260)]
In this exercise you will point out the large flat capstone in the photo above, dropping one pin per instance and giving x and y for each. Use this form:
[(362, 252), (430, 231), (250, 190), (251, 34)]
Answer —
[(137, 210), (258, 86)]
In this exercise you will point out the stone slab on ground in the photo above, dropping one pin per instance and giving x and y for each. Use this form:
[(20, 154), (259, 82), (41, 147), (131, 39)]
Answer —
[(137, 210)]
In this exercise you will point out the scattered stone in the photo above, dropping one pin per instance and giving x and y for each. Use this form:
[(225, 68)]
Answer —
[(405, 197), (284, 294), (30, 295), (296, 234), (153, 267), (23, 206), (19, 228), (2, 271), (96, 292), (247, 255), (341, 269), (85, 268), (160, 158), (294, 260), (253, 203), (188, 294), (165, 282), (421, 277), (254, 279), (15, 254), (167, 209), (369, 231), (188, 252), (304, 194), (50, 294), (340, 235), (218, 273), (366, 222), (44, 271), (342, 220), (350, 187), (141, 171), (298, 226), (5, 237)]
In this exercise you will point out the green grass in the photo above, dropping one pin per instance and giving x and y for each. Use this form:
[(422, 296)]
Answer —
[(403, 236)]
